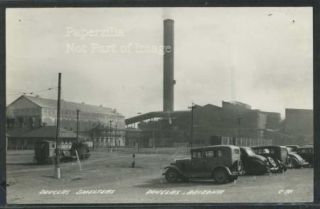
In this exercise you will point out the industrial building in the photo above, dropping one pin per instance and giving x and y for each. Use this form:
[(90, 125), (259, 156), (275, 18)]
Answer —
[(202, 124), (299, 124), (232, 123), (27, 114)]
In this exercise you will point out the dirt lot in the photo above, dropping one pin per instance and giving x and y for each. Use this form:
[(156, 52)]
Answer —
[(107, 177)]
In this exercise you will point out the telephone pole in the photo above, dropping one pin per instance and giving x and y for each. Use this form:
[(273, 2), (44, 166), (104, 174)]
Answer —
[(239, 130), (110, 134), (57, 161), (116, 134), (191, 124), (78, 125)]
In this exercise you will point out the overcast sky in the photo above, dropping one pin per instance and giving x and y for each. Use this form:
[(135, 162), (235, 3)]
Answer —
[(259, 56)]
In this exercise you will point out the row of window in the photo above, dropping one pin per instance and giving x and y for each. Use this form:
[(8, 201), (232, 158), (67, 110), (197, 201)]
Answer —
[(73, 114), (262, 151), (207, 154)]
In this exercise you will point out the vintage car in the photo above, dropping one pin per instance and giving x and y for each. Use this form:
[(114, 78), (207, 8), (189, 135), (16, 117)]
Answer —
[(277, 155), (256, 164), (295, 160), (80, 149), (306, 152), (221, 163), (292, 148), (45, 151)]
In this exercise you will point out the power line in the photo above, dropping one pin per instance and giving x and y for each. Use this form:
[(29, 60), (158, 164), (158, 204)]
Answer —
[(19, 92)]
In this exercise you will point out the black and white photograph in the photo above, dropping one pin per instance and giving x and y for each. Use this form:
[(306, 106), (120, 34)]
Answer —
[(159, 105)]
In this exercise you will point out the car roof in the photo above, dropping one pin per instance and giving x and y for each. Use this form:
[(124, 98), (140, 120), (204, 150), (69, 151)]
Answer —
[(47, 141), (292, 145), (244, 147), (213, 147), (307, 146), (269, 146)]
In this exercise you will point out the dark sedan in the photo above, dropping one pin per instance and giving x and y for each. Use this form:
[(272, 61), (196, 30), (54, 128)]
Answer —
[(279, 155), (255, 164), (306, 152)]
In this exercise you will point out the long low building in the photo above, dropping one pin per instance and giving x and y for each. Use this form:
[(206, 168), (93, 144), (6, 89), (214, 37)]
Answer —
[(233, 122), (28, 113)]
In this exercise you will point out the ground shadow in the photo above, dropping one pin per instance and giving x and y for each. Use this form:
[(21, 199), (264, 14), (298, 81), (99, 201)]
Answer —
[(29, 163), (49, 176), (162, 183)]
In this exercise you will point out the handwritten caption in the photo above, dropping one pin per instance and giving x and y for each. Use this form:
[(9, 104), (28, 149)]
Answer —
[(180, 192), (285, 191), (79, 192)]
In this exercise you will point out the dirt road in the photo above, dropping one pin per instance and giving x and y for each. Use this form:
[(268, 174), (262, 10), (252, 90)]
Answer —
[(107, 177)]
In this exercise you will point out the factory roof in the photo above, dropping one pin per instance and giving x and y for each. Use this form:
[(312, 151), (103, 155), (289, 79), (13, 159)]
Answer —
[(159, 114), (52, 103)]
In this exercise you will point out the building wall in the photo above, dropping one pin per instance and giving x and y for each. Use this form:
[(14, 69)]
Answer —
[(23, 114), (209, 121), (87, 121), (273, 120), (299, 123)]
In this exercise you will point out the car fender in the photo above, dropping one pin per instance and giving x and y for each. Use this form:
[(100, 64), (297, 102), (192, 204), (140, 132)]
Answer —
[(292, 157), (259, 164), (224, 168), (176, 168)]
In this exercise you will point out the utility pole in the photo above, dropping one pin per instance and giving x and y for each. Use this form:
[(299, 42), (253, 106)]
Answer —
[(110, 126), (57, 162), (239, 126), (191, 126), (115, 134), (154, 135), (78, 125)]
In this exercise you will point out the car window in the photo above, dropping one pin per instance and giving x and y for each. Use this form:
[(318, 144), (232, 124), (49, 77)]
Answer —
[(258, 151), (217, 153), (196, 155), (209, 154)]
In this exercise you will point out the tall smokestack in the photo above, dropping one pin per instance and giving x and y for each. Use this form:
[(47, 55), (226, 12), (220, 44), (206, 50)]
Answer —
[(168, 65)]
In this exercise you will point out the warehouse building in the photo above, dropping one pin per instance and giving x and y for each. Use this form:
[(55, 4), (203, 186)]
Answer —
[(233, 122), (299, 123), (28, 113)]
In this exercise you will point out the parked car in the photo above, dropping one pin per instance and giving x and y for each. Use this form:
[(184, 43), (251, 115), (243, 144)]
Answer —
[(221, 162), (256, 164), (82, 150), (278, 154), (292, 148), (295, 160), (45, 151), (306, 152)]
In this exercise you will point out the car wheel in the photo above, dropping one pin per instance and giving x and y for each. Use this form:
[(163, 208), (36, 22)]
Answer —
[(172, 176), (220, 176), (282, 167)]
